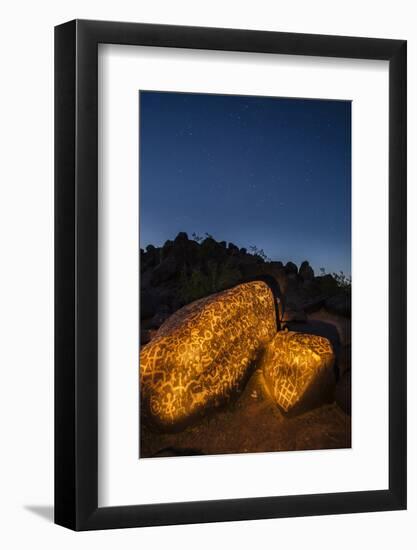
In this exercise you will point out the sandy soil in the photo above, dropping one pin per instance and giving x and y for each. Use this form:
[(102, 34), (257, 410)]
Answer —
[(252, 423)]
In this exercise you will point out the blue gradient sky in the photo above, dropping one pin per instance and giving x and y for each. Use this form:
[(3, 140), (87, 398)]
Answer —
[(270, 172)]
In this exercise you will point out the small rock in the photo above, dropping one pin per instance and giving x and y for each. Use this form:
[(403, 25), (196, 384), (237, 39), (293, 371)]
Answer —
[(290, 267), (306, 271), (181, 237), (232, 248)]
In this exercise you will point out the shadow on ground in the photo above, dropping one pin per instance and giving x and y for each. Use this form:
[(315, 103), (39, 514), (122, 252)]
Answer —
[(45, 512)]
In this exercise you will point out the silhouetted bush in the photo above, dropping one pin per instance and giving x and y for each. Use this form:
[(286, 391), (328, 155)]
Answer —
[(214, 278)]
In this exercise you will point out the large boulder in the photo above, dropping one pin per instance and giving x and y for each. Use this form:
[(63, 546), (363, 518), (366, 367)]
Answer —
[(184, 250), (298, 370), (319, 327), (306, 271), (150, 258), (290, 267), (211, 250), (182, 237), (233, 249), (201, 355)]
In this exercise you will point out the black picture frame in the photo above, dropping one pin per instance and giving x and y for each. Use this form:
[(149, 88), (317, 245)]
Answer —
[(76, 271)]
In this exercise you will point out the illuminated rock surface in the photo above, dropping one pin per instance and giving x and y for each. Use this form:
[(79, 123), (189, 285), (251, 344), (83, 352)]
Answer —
[(297, 368), (203, 352)]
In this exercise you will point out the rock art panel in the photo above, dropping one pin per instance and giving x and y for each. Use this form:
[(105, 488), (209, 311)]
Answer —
[(200, 355), (297, 368)]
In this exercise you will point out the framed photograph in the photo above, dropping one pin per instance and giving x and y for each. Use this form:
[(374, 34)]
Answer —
[(230, 254)]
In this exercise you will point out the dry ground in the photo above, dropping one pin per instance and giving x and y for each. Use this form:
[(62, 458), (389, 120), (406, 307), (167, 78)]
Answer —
[(252, 423)]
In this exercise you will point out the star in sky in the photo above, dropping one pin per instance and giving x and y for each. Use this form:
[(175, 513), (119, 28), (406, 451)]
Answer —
[(208, 163)]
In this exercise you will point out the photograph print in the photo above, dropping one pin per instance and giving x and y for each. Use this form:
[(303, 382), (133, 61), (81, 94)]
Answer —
[(245, 274)]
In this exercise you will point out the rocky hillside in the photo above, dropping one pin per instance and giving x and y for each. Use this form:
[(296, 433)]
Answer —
[(184, 270)]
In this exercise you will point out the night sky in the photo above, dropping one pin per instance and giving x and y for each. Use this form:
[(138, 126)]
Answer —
[(269, 172)]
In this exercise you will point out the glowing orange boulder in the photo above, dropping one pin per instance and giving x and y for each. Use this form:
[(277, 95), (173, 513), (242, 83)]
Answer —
[(298, 369), (202, 353)]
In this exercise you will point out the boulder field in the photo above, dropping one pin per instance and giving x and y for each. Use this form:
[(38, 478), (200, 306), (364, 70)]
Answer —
[(204, 352), (196, 409)]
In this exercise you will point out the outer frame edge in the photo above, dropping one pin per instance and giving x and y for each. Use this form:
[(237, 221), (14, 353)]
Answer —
[(76, 505), (64, 175)]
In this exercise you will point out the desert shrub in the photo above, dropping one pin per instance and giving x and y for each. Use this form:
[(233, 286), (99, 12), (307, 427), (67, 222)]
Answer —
[(333, 282), (200, 283), (343, 281), (197, 238), (255, 251)]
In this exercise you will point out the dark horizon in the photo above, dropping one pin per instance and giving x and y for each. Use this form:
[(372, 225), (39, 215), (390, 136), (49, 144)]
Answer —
[(274, 173)]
